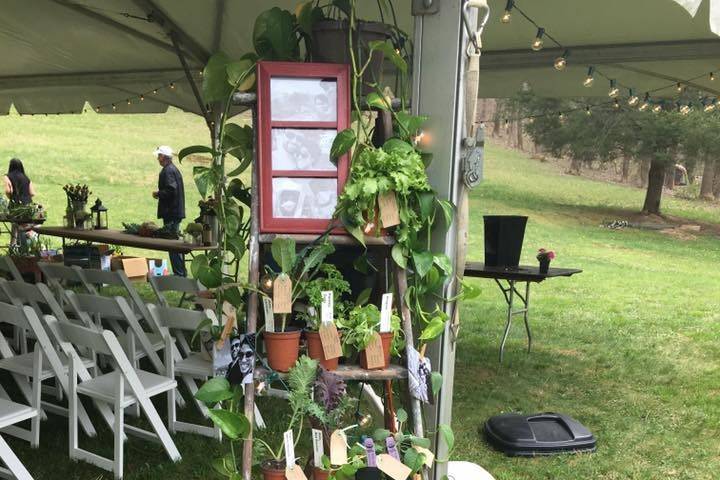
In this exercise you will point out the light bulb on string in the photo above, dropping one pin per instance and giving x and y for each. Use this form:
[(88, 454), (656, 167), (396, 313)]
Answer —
[(614, 90), (561, 61), (172, 86), (616, 104), (646, 103), (685, 109), (114, 107), (590, 79), (712, 76), (507, 15), (632, 99), (657, 108), (588, 112), (142, 98), (531, 120), (709, 105), (129, 102), (154, 91), (537, 44), (97, 109), (561, 117), (679, 87)]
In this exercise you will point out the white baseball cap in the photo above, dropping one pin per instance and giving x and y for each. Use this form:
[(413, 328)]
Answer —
[(164, 150)]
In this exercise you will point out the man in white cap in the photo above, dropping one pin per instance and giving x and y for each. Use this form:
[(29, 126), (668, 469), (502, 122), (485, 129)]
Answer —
[(171, 201)]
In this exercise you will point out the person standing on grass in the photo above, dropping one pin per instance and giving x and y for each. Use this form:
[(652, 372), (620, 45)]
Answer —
[(171, 201), (20, 190)]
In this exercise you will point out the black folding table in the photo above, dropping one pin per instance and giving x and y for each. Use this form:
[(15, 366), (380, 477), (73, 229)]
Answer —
[(506, 278)]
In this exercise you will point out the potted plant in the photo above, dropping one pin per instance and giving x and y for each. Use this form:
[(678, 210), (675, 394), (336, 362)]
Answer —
[(77, 197), (328, 278), (545, 257), (283, 345), (329, 27), (361, 324)]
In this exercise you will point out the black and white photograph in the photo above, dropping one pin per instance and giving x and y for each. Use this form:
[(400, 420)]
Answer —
[(304, 197), (302, 149), (419, 372), (236, 359), (303, 99)]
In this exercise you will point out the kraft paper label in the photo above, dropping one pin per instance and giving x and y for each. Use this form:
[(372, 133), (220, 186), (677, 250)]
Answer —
[(338, 448), (374, 353), (393, 468), (282, 294), (295, 473), (389, 213), (330, 341)]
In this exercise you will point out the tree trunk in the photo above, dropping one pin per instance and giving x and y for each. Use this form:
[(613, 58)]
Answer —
[(656, 179), (519, 127), (625, 169), (708, 177), (575, 166), (644, 171)]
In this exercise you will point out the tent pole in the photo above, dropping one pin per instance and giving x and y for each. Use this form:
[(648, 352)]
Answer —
[(190, 79)]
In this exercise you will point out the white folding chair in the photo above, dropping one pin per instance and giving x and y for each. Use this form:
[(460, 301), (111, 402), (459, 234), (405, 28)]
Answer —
[(54, 346), (122, 388), (12, 413), (9, 270), (194, 366), (59, 278), (188, 287)]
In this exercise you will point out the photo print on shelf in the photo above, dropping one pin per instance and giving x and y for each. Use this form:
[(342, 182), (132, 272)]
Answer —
[(419, 376), (236, 359)]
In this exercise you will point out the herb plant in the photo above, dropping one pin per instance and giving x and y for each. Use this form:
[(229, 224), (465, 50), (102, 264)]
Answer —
[(328, 278), (364, 321)]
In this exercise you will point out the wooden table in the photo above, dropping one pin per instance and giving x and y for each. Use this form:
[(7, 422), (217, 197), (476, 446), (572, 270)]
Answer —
[(523, 273), (117, 237)]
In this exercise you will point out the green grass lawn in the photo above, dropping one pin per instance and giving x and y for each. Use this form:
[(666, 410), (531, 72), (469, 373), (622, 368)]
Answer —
[(629, 347)]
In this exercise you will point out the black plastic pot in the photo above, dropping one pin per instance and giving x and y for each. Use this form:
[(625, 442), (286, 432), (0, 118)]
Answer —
[(504, 235), (368, 473), (330, 45)]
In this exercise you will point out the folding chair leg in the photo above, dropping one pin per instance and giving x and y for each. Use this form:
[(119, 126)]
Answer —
[(159, 427), (118, 431), (172, 412), (13, 463)]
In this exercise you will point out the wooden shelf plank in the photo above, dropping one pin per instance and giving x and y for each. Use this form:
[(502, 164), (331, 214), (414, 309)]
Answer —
[(334, 239), (354, 373)]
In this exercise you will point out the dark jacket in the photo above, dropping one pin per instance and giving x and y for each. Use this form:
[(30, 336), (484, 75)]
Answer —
[(21, 187), (171, 194)]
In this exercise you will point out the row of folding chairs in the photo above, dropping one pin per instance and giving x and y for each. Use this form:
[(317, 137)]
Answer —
[(75, 333)]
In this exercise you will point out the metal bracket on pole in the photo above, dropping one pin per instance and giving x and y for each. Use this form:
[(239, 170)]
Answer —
[(425, 7)]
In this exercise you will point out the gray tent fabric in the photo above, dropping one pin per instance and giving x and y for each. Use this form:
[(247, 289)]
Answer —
[(59, 54), (692, 6)]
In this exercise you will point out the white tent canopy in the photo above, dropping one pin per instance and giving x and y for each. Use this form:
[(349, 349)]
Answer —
[(59, 54)]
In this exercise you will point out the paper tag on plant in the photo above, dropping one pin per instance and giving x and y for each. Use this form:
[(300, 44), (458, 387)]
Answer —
[(374, 353), (229, 316), (393, 468), (389, 213), (318, 447), (295, 473), (386, 312), (338, 448), (330, 341), (282, 294), (429, 456), (289, 449), (269, 316), (326, 308)]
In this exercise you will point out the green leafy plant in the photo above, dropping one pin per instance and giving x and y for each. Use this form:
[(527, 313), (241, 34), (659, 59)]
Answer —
[(328, 278), (362, 322)]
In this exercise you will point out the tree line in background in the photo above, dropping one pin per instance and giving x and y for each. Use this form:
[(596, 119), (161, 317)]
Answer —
[(655, 142)]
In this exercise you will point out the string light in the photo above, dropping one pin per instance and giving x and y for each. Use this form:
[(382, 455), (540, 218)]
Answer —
[(646, 103), (709, 105), (679, 87), (614, 90), (657, 108), (590, 79), (712, 76), (537, 44), (129, 102), (616, 104), (114, 107), (142, 98), (172, 86), (633, 99), (588, 112), (507, 15), (201, 73), (685, 109), (154, 91), (97, 109), (561, 117), (561, 61)]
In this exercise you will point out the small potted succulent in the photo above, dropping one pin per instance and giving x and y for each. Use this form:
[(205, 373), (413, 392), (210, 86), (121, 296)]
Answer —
[(328, 278), (361, 324), (545, 257)]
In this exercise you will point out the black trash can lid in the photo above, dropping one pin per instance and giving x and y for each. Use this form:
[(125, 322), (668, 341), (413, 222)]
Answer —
[(538, 434)]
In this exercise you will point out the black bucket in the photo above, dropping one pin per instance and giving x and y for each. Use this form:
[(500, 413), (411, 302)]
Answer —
[(504, 235), (368, 473)]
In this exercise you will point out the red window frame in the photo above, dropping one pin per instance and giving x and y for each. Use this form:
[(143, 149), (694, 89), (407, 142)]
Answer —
[(265, 72)]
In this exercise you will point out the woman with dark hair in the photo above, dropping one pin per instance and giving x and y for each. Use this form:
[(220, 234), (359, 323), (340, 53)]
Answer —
[(18, 187)]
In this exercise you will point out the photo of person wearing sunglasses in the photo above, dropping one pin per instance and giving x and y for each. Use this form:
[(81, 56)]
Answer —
[(242, 364)]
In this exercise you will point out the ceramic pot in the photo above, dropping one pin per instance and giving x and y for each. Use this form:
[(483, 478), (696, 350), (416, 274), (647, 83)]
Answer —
[(320, 474), (387, 339), (283, 349), (315, 351), (272, 470), (544, 265)]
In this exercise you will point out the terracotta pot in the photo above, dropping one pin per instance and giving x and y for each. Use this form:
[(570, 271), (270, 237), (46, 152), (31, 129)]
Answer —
[(320, 474), (283, 349), (315, 351), (272, 470), (386, 338)]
